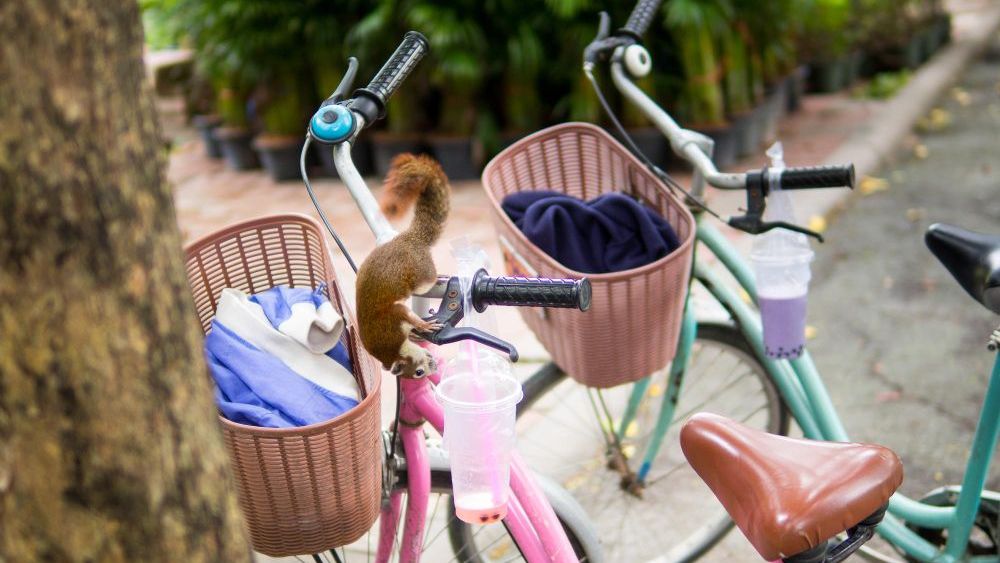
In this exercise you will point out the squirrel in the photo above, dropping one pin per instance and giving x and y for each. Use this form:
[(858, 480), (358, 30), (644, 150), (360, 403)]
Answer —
[(402, 267)]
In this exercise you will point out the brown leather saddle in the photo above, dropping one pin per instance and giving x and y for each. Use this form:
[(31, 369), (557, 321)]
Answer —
[(789, 496)]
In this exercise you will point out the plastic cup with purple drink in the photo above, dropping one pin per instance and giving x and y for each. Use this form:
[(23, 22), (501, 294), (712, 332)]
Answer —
[(782, 272)]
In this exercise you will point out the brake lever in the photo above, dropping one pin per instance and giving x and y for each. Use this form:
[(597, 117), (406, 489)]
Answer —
[(604, 27), (450, 313), (603, 43), (345, 83), (768, 225), (449, 334), (752, 223)]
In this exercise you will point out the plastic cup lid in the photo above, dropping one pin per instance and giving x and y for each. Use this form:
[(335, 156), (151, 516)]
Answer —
[(788, 255), (509, 387)]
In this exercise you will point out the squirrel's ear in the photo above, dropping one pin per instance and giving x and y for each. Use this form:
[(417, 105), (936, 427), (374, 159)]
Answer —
[(397, 367)]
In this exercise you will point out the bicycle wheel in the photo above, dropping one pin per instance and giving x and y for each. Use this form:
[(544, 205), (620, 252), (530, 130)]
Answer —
[(674, 515), (448, 539)]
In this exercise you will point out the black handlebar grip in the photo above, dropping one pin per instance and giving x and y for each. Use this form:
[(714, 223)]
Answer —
[(530, 292), (370, 101), (641, 17), (818, 177)]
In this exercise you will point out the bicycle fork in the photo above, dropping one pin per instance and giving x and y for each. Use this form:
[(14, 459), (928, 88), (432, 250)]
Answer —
[(634, 483)]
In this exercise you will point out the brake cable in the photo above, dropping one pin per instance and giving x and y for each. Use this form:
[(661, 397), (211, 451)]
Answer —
[(656, 170)]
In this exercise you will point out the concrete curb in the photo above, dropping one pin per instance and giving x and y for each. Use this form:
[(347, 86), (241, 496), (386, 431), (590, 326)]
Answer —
[(872, 146)]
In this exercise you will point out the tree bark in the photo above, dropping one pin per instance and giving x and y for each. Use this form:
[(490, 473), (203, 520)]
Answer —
[(109, 446)]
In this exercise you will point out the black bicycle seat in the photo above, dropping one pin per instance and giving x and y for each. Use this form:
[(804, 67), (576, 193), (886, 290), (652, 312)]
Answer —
[(972, 258)]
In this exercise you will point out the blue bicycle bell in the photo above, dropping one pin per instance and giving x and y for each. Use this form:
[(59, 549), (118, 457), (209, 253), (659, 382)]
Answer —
[(332, 124)]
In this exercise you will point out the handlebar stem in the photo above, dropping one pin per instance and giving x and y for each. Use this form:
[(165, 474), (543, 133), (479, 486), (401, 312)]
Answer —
[(688, 144), (359, 191)]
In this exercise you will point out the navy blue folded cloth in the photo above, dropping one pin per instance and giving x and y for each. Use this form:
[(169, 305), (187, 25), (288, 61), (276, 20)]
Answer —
[(609, 233)]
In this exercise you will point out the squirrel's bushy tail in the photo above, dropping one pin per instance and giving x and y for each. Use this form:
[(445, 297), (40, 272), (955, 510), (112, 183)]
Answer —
[(418, 178)]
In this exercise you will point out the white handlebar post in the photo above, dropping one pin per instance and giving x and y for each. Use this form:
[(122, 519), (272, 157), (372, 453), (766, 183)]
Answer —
[(359, 190), (690, 145)]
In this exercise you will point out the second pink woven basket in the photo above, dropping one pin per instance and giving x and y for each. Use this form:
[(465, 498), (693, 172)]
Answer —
[(632, 327)]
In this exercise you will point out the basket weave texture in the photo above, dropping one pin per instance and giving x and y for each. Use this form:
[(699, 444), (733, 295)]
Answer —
[(632, 327), (307, 489)]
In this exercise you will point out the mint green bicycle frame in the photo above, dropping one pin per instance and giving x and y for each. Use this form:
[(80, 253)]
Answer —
[(803, 390), (798, 381)]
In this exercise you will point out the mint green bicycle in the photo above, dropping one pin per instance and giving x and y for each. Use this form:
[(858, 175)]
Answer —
[(632, 478)]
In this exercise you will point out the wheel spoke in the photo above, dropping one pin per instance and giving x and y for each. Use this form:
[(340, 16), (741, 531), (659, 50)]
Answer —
[(723, 376)]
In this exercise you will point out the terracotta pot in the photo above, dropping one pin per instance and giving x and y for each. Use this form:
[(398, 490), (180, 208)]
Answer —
[(773, 109), (652, 144), (828, 76), (237, 147), (280, 155), (385, 146), (456, 155), (796, 87), (744, 134), (724, 154), (206, 126), (853, 69), (361, 154)]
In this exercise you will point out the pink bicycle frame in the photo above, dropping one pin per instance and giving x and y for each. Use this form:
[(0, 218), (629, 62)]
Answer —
[(530, 518)]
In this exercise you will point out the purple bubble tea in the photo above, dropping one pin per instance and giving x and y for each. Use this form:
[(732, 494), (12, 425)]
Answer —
[(784, 322)]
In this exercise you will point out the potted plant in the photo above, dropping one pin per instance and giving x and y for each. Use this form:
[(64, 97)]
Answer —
[(825, 41), (199, 101), (891, 34), (739, 98), (372, 40), (233, 133), (283, 116), (215, 33), (692, 24), (457, 71), (327, 55), (518, 82)]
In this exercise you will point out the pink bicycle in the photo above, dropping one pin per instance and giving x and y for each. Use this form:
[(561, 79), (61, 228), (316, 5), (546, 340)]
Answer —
[(542, 522)]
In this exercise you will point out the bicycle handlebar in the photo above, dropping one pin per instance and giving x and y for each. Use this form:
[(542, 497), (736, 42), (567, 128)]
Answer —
[(641, 17), (529, 292), (370, 101), (817, 177)]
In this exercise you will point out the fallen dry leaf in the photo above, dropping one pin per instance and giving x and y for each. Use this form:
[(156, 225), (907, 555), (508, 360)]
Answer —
[(870, 185), (938, 476), (817, 223), (936, 120), (810, 332), (915, 214), (920, 151), (961, 96), (888, 396)]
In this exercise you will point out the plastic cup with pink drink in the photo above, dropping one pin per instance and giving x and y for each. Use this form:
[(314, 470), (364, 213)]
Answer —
[(479, 411), (781, 268)]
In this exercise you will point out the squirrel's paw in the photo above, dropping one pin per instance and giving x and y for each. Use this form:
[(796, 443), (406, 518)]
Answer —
[(427, 326)]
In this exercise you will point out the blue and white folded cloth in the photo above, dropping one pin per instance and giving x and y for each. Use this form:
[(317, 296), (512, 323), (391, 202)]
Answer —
[(278, 359)]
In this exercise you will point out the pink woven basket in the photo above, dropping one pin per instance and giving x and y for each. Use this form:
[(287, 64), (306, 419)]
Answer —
[(632, 327), (307, 489)]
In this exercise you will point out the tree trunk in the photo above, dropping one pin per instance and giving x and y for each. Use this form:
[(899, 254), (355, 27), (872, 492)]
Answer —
[(109, 447)]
